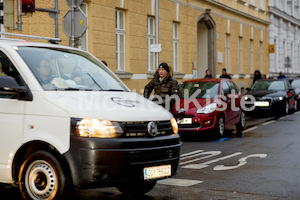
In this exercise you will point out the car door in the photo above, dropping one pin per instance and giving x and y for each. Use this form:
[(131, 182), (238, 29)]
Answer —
[(11, 118), (235, 106), (225, 93)]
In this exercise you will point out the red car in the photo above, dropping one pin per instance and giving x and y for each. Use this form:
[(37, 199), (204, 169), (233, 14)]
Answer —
[(209, 105)]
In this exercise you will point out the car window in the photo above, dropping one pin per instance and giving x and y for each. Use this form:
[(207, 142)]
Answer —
[(225, 89), (59, 69), (203, 89), (276, 85), (295, 83), (233, 88), (268, 85), (8, 69)]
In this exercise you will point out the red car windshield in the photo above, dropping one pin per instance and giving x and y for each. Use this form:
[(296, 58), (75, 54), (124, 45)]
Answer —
[(199, 90)]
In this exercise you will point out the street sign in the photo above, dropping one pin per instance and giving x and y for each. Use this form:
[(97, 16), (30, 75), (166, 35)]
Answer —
[(80, 23), (76, 2), (155, 48)]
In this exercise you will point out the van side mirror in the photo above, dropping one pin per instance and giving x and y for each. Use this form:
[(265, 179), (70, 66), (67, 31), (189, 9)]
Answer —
[(10, 87)]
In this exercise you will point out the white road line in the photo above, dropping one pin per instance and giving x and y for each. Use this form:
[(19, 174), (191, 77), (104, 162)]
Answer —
[(283, 117), (179, 182), (250, 129), (192, 152), (206, 164), (269, 122), (210, 154)]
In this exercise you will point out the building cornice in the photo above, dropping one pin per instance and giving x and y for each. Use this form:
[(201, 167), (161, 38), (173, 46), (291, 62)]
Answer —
[(283, 15), (223, 6)]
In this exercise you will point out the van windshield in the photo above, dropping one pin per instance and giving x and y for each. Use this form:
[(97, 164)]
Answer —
[(64, 69)]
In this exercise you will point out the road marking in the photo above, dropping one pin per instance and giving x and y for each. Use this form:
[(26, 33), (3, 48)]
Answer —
[(221, 140), (192, 152), (283, 117), (242, 162), (250, 129), (296, 113), (206, 164), (179, 182), (269, 122), (211, 154)]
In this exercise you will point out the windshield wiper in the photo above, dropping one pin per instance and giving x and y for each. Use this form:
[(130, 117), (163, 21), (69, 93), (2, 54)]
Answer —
[(116, 90), (95, 82)]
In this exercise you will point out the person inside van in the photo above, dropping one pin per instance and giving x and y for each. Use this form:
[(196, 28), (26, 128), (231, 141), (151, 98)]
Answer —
[(43, 70), (77, 75)]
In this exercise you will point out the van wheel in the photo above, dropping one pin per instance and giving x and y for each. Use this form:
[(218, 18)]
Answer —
[(241, 125), (41, 177), (137, 188), (221, 127)]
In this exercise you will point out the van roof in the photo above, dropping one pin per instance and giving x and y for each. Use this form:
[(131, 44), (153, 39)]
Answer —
[(20, 42)]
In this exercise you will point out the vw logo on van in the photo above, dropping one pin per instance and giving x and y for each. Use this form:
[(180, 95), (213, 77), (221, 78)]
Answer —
[(125, 102), (152, 129)]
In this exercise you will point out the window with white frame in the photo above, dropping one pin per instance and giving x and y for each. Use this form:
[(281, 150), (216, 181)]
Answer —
[(252, 2), (260, 56), (120, 40), (262, 4), (240, 54), (227, 51), (298, 57), (175, 47), (151, 40), (283, 53), (276, 55), (84, 37)]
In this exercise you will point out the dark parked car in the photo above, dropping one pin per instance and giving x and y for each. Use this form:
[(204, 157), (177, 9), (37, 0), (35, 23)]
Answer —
[(295, 83), (208, 105), (276, 95)]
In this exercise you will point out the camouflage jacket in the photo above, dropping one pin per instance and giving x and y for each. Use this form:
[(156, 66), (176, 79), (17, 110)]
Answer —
[(168, 86)]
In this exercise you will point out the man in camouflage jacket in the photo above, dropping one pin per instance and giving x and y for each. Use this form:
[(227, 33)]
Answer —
[(164, 86)]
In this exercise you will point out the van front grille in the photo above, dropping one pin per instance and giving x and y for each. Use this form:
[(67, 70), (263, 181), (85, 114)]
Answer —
[(139, 129)]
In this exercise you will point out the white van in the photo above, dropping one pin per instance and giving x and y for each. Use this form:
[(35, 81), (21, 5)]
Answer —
[(68, 122)]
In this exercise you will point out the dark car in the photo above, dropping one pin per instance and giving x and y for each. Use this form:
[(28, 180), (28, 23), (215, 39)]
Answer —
[(295, 83), (208, 105), (275, 95)]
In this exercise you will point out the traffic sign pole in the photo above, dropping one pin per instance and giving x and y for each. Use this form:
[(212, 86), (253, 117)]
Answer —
[(72, 38)]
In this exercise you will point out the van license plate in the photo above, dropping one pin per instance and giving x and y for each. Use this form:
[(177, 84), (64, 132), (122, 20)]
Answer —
[(157, 172)]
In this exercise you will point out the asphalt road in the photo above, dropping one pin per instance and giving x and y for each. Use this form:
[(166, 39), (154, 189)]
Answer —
[(263, 164)]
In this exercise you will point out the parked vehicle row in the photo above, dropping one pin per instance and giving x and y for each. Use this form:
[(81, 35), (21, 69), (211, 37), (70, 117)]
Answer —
[(212, 105), (209, 105), (274, 95)]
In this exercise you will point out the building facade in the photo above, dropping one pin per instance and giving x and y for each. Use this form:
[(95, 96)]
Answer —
[(195, 35), (284, 37)]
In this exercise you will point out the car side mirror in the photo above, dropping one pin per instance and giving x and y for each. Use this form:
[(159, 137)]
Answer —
[(248, 89), (10, 87)]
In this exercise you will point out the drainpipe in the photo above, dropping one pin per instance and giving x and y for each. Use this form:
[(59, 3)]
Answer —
[(156, 31), (19, 22)]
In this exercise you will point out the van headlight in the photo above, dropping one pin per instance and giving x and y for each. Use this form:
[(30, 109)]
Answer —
[(207, 109), (95, 128), (174, 125)]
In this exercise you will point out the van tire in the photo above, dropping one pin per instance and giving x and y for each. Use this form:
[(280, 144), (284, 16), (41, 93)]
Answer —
[(41, 177), (137, 188)]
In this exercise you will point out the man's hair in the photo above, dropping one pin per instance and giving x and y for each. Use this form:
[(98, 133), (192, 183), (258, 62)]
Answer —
[(224, 69)]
